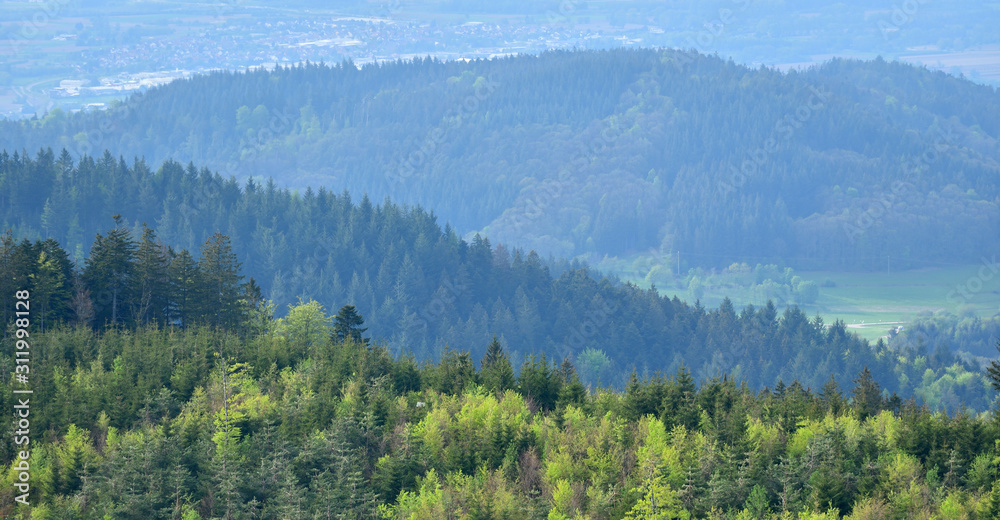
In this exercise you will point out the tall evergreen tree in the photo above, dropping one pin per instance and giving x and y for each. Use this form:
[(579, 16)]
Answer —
[(993, 371), (867, 393), (348, 324), (108, 273), (50, 290), (150, 284), (8, 283), (497, 374), (186, 288), (679, 404), (494, 353), (220, 271), (538, 381), (831, 397), (571, 390)]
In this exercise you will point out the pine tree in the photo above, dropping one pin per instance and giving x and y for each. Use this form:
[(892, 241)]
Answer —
[(455, 372), (497, 374), (831, 397), (347, 324), (221, 276), (260, 312), (538, 382), (150, 283), (494, 353), (757, 504), (991, 503), (108, 273), (227, 436), (49, 289), (867, 395), (8, 282), (572, 390), (829, 490), (679, 404), (993, 371), (185, 289)]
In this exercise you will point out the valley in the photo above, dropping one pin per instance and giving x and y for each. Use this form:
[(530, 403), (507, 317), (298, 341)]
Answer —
[(517, 260)]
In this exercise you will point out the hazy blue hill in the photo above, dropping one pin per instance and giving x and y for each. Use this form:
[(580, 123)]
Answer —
[(603, 152), (419, 286)]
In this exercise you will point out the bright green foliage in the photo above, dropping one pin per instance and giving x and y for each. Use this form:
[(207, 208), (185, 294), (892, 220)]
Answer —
[(75, 456), (425, 504), (223, 412), (990, 507), (49, 288), (653, 452), (756, 506), (657, 500), (324, 432), (307, 326), (562, 501)]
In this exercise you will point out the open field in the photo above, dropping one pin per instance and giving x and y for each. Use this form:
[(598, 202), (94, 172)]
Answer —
[(981, 64), (870, 297), (871, 303)]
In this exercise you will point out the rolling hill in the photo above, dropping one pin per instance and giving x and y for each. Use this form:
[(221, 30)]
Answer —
[(602, 152)]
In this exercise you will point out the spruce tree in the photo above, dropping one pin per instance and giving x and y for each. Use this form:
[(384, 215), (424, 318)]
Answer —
[(993, 371), (108, 273), (150, 283), (496, 370), (572, 390), (221, 276), (867, 395), (831, 397), (186, 288), (348, 324), (49, 290)]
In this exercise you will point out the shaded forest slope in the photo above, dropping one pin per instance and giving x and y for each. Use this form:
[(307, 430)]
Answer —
[(603, 152)]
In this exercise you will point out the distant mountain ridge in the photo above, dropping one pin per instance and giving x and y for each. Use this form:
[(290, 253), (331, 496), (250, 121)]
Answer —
[(604, 152)]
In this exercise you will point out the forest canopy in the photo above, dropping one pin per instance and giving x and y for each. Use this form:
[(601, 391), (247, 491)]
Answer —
[(622, 151), (294, 420), (246, 346), (420, 288)]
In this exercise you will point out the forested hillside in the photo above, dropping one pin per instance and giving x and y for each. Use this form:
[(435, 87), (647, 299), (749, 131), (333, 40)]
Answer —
[(299, 420), (606, 152), (420, 288)]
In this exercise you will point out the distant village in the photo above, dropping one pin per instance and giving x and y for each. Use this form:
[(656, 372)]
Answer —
[(100, 61), (156, 60)]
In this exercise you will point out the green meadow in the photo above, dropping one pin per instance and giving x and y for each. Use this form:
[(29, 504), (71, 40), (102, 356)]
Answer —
[(870, 303), (863, 300)]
